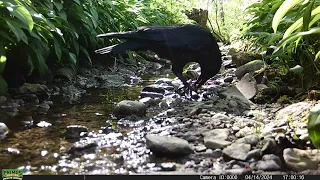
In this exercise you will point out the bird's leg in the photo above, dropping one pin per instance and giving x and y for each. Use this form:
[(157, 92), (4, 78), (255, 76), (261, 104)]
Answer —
[(178, 72), (200, 81)]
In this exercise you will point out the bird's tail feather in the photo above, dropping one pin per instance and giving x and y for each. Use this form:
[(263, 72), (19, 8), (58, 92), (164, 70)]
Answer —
[(119, 35), (117, 48)]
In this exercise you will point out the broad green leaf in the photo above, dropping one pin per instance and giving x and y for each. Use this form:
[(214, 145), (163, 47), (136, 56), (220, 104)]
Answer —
[(307, 17), (296, 25), (315, 19), (77, 1), (5, 35), (3, 59), (57, 49), (317, 56), (299, 34), (58, 5), (15, 28), (72, 58), (282, 11), (85, 52), (22, 14)]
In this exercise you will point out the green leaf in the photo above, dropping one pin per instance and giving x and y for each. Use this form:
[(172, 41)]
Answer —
[(22, 14), (85, 52), (307, 17), (57, 49), (7, 36), (299, 34), (15, 28), (77, 1), (314, 126), (73, 58), (3, 59), (58, 5), (282, 11), (296, 25), (317, 56)]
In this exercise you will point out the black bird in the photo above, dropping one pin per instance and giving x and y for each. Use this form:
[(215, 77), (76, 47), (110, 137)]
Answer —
[(180, 44)]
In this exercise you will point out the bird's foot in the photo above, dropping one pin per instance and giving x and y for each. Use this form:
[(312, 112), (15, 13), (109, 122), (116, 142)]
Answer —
[(187, 90)]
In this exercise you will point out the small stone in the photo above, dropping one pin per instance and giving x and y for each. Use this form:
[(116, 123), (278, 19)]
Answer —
[(241, 171), (237, 151), (200, 148), (74, 131), (126, 108), (244, 132), (216, 143), (168, 166), (82, 145), (250, 139), (168, 145), (254, 154), (219, 134), (3, 130)]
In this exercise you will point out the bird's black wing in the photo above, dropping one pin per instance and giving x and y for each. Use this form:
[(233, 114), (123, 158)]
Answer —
[(186, 36)]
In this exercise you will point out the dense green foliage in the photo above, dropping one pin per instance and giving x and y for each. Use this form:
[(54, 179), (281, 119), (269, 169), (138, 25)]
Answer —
[(292, 26), (39, 33)]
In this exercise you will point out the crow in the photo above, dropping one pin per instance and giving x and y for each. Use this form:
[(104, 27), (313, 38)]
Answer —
[(180, 44)]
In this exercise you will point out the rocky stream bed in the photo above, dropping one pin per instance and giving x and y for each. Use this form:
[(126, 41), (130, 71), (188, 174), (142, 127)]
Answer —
[(115, 122)]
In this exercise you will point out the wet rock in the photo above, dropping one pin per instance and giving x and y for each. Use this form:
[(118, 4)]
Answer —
[(154, 88), (250, 139), (151, 94), (269, 145), (168, 145), (3, 130), (237, 151), (75, 131), (239, 171), (294, 114), (253, 67), (204, 155), (247, 86), (200, 148), (228, 79), (267, 166), (300, 160), (43, 108), (148, 101), (28, 88), (168, 166), (219, 134), (82, 145), (221, 117), (30, 98), (111, 80), (2, 99), (233, 92), (194, 111), (72, 94), (126, 108), (44, 124), (215, 143), (254, 155), (13, 151), (245, 131), (269, 162)]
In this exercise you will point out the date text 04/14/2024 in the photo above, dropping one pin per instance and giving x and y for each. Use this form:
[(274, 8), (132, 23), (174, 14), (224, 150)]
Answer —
[(253, 177)]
